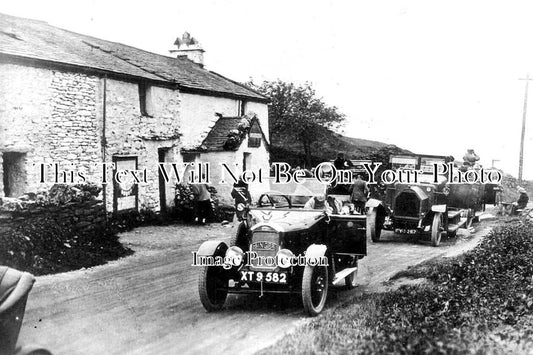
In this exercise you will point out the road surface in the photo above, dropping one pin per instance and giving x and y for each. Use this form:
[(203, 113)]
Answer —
[(147, 303)]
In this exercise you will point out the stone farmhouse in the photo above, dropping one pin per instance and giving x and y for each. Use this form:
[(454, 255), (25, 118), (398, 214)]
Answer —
[(80, 101)]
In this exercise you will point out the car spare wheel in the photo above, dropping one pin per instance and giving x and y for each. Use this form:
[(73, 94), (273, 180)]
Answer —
[(373, 227), (314, 289), (212, 287)]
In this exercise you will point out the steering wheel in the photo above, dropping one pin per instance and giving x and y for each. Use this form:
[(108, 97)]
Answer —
[(271, 202)]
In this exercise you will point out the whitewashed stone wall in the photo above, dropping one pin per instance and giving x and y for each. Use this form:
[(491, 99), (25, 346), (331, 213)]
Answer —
[(259, 159), (58, 117), (50, 116), (129, 133), (198, 115)]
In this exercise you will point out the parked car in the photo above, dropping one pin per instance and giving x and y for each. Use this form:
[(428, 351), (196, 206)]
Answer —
[(282, 247), (426, 207)]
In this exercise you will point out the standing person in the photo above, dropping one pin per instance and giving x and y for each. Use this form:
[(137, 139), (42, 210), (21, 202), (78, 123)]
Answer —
[(470, 158), (240, 194), (522, 201), (359, 193), (202, 199), (340, 162)]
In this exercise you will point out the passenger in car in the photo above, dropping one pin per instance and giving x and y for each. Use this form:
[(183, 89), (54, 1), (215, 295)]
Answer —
[(320, 202)]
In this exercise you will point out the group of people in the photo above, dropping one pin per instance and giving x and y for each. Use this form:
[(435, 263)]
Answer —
[(358, 196), (359, 192)]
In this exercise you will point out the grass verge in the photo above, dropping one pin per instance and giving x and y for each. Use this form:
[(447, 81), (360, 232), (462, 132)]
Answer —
[(478, 303)]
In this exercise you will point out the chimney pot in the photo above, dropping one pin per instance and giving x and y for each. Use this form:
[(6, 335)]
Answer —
[(188, 47)]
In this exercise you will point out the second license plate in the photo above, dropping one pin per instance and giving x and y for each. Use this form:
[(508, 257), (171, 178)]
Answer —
[(406, 231)]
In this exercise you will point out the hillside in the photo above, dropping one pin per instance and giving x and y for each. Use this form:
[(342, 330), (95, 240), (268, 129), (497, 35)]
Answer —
[(286, 148)]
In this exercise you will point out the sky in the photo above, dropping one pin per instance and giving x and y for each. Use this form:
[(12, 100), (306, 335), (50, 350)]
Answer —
[(434, 77)]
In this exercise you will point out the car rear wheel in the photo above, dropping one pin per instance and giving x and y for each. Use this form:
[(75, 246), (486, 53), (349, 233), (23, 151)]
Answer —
[(373, 227), (212, 287), (437, 228), (314, 289)]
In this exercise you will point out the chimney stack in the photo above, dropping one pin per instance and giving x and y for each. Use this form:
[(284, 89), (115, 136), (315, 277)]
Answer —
[(188, 47)]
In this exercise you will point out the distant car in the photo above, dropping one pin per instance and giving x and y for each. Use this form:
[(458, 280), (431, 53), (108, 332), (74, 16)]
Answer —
[(426, 207), (307, 250)]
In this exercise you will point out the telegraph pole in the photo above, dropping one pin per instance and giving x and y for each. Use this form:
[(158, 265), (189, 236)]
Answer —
[(521, 161)]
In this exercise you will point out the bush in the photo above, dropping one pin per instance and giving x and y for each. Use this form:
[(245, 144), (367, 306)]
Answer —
[(42, 236), (184, 204), (48, 246)]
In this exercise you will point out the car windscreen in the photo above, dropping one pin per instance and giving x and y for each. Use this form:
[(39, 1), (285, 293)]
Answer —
[(298, 193)]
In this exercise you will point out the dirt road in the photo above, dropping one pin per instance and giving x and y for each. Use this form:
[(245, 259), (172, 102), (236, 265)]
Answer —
[(147, 303)]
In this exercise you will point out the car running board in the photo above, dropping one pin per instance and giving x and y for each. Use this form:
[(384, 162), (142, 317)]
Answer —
[(454, 227), (342, 274)]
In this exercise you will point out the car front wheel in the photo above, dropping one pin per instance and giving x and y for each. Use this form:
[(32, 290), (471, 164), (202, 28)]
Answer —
[(437, 228), (314, 289), (212, 287)]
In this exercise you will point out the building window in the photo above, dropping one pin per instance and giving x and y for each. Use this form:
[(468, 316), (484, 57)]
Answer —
[(190, 157), (242, 107), (145, 99), (246, 161), (14, 173)]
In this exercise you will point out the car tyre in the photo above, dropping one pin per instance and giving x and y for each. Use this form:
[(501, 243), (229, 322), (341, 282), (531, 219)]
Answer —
[(212, 287), (237, 238), (373, 228), (437, 228), (32, 350), (314, 289)]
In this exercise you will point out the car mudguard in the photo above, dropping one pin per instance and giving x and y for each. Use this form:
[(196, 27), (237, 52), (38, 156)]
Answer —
[(212, 248), (438, 208), (315, 251)]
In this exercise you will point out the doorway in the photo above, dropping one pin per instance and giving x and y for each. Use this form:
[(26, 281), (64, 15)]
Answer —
[(14, 173), (246, 161)]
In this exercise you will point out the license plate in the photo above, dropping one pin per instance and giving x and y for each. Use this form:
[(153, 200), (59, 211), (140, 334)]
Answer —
[(406, 231), (268, 277)]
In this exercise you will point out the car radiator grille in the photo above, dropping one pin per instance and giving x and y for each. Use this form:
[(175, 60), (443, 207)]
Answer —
[(407, 205), (265, 244)]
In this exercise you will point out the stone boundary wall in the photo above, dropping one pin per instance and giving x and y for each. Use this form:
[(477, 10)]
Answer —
[(87, 217)]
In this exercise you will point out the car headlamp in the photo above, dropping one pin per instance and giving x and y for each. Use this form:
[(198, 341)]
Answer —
[(234, 256), (240, 207), (284, 258), (345, 210)]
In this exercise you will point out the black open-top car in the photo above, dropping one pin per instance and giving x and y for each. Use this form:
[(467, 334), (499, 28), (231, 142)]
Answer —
[(296, 239)]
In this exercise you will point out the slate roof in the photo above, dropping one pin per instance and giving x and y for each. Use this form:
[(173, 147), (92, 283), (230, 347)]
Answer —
[(37, 40), (218, 135)]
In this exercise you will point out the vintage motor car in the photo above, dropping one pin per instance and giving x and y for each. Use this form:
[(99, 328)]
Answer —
[(416, 208), (282, 247)]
